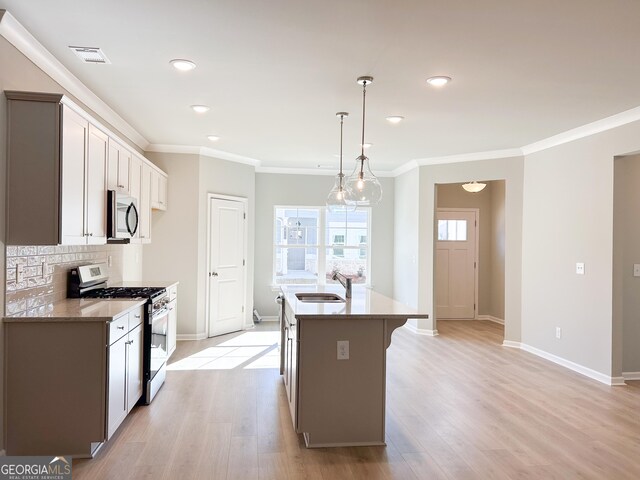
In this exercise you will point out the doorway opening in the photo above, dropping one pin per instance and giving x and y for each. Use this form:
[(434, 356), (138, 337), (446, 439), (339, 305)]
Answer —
[(469, 253)]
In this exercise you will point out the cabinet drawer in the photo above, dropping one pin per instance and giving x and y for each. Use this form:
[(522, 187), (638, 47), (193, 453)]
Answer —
[(118, 328), (135, 317)]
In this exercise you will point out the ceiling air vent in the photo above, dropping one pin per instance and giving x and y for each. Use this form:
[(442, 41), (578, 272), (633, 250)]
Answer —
[(90, 54)]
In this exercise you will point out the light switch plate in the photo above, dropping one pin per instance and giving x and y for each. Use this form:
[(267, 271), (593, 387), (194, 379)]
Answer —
[(579, 268), (558, 332), (343, 349), (636, 269)]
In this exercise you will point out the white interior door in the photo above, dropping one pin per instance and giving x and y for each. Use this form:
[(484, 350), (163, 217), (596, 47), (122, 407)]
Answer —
[(226, 266), (456, 263)]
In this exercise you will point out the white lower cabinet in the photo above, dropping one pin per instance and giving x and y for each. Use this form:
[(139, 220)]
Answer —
[(125, 367), (172, 329)]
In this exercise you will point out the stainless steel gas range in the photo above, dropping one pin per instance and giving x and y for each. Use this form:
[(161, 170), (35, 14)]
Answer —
[(91, 281)]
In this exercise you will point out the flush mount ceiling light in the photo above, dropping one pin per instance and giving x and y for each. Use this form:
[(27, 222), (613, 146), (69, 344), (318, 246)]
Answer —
[(362, 185), (213, 138), (474, 187), (182, 64), (395, 119), (438, 81), (337, 198), (200, 108)]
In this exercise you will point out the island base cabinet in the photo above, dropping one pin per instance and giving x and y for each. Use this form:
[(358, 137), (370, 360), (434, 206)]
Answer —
[(341, 402), (54, 387)]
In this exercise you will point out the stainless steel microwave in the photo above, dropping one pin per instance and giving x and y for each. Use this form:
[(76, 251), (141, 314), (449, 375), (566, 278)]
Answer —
[(122, 216)]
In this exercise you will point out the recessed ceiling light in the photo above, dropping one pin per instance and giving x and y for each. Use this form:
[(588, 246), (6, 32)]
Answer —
[(395, 119), (200, 108), (182, 64), (367, 145), (213, 138), (438, 81)]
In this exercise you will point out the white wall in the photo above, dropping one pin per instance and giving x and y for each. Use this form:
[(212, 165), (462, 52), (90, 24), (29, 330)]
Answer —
[(496, 307), (311, 190)]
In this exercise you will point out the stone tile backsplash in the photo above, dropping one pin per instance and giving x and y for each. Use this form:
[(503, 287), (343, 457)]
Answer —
[(38, 290)]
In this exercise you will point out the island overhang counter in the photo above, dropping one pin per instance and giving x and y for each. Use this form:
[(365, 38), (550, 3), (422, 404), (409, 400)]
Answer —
[(334, 362)]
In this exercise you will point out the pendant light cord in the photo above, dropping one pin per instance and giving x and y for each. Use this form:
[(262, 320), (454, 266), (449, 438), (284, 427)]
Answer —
[(364, 95), (341, 174)]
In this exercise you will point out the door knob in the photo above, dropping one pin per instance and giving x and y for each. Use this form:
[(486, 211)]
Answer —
[(213, 274)]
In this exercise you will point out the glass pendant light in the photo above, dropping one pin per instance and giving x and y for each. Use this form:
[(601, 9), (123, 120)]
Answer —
[(363, 186), (336, 200)]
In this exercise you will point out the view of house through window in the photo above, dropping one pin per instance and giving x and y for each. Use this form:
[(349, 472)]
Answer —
[(311, 242)]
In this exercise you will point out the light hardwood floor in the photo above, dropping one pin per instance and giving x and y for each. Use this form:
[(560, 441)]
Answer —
[(459, 406)]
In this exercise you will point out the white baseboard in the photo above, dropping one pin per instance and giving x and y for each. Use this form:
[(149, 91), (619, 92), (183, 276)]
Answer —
[(421, 331), (631, 375), (491, 318), (270, 318), (184, 337), (587, 372)]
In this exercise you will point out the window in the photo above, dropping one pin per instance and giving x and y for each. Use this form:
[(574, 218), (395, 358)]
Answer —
[(311, 242), (452, 230)]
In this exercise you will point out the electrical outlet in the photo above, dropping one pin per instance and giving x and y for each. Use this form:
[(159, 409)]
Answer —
[(343, 349), (109, 261), (558, 332), (636, 269), (44, 269), (579, 268), (19, 273)]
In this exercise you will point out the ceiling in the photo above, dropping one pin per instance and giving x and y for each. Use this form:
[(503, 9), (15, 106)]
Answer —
[(275, 72)]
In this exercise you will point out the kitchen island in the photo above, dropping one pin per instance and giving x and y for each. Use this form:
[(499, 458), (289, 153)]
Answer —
[(334, 362)]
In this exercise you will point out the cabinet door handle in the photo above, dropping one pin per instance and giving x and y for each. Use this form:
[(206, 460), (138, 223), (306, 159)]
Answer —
[(120, 186), (137, 316), (130, 342), (120, 328), (213, 274)]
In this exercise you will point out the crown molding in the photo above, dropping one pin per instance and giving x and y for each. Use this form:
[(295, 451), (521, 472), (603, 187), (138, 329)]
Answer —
[(599, 126), (29, 46), (311, 171), (404, 168), (202, 151), (470, 157)]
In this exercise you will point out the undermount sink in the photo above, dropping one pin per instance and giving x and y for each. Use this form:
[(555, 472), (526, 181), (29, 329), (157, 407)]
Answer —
[(319, 297)]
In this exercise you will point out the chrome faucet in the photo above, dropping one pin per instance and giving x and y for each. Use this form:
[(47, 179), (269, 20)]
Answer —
[(346, 283)]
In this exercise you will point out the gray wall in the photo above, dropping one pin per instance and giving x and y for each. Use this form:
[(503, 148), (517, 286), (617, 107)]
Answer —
[(568, 218), (178, 249), (496, 308), (311, 190), (626, 252), (454, 196), (509, 169)]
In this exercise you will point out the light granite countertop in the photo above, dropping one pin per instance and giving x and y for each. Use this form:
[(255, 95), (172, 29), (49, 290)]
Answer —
[(364, 304), (83, 310)]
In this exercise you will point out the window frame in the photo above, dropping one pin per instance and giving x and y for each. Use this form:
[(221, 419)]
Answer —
[(322, 244)]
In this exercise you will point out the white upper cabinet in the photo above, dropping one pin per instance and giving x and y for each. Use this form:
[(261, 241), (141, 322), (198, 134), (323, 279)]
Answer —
[(158, 190), (60, 165), (84, 197), (120, 160)]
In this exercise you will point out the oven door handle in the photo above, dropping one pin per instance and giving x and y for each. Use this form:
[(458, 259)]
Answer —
[(164, 311)]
